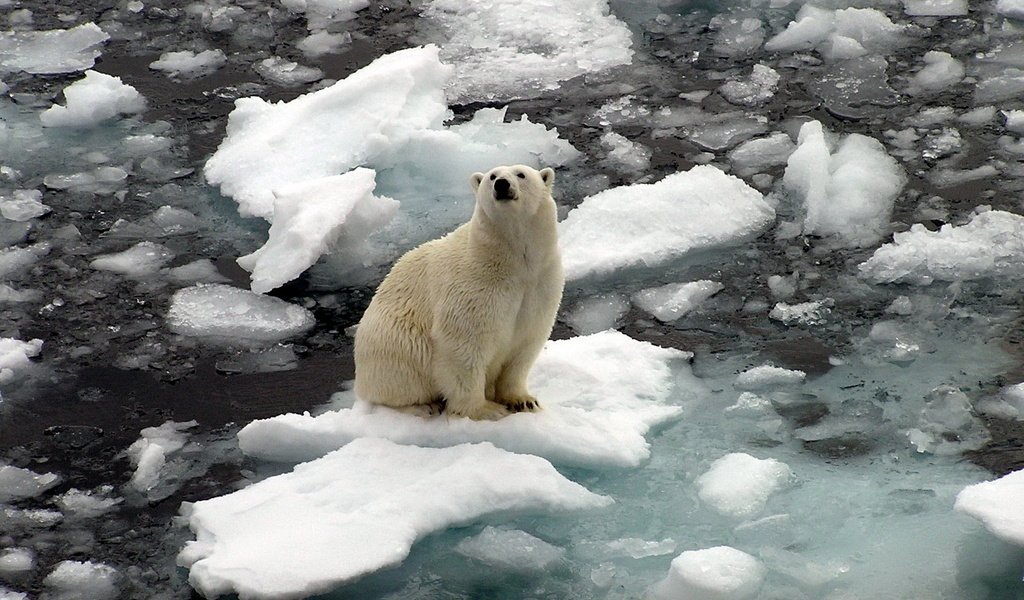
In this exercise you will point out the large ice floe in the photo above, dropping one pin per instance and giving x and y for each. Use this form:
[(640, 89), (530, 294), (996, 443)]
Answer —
[(651, 224), (600, 395), (387, 118), (997, 504), (357, 510), (991, 245), (504, 50), (51, 52), (848, 189)]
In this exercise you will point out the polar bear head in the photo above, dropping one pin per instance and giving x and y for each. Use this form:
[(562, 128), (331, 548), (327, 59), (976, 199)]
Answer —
[(517, 188)]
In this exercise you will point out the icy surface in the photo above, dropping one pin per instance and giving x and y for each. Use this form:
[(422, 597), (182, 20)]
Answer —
[(80, 504), (149, 453), (940, 72), (224, 312), (768, 376), (719, 573), (838, 34), (92, 100), (23, 205), (504, 50), (991, 245), (674, 300), (848, 191), (17, 483), (82, 580), (338, 213), (754, 155), (15, 355), (935, 8), (357, 510), (141, 260), (600, 395), (650, 224), (997, 504), (510, 550), (185, 63), (738, 485), (813, 312), (754, 91), (51, 52)]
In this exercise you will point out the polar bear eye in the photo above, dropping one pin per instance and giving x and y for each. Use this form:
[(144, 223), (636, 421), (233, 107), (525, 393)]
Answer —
[(492, 176), (521, 175)]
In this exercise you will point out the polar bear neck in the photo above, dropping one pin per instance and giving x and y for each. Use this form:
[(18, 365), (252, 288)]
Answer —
[(527, 242)]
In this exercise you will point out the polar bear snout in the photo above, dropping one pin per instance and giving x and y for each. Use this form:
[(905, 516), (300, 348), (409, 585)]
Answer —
[(503, 189)]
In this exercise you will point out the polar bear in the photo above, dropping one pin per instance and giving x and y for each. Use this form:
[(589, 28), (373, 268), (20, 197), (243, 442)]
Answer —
[(459, 321)]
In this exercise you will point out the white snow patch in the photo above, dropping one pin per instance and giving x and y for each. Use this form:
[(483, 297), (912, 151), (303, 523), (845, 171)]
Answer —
[(76, 580), (358, 510), (719, 573), (310, 218), (600, 395), (768, 376), (141, 260), (672, 301), (224, 312), (92, 100), (650, 224), (51, 52), (15, 355), (997, 504), (186, 63), (738, 485), (510, 550), (849, 190), (991, 245), (17, 483), (506, 50)]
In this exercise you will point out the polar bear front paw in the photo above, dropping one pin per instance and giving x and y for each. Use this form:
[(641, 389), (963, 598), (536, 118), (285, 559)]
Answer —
[(521, 403), (483, 411)]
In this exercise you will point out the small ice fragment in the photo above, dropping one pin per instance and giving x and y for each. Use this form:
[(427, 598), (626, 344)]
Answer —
[(597, 313), (87, 505), (190, 64), (321, 43), (640, 548), (804, 313), (92, 100), (149, 453), (756, 90), (139, 261), (935, 8), (738, 485), (510, 550), (670, 302), (768, 376), (287, 73), (197, 271), (17, 483), (16, 560), (75, 580), (624, 154), (221, 311), (941, 71), (719, 573), (23, 205), (14, 357)]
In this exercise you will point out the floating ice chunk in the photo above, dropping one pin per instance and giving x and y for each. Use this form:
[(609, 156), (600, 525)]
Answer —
[(186, 63), (725, 130), (145, 145), (51, 52), (1007, 404), (502, 51), (287, 73), (935, 8), (978, 117), (597, 313), (320, 43), (756, 90), (23, 205), (601, 394), (1014, 120), (149, 453), (92, 100), (17, 483), (223, 312), (991, 245), (848, 194), (896, 345), (321, 13), (768, 376), (997, 504), (783, 287), (838, 34), (624, 154), (945, 178), (330, 214), (638, 548), (650, 224), (754, 155), (510, 550), (670, 302), (14, 260), (139, 261), (739, 485), (1010, 8), (813, 312), (358, 510), (163, 222), (263, 360), (101, 180), (941, 71), (719, 573), (9, 294), (87, 505), (947, 425), (1007, 85), (75, 580), (811, 26), (15, 355), (738, 34), (197, 271), (16, 560)]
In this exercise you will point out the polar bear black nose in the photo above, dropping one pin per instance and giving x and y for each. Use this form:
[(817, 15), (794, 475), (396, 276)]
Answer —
[(502, 189)]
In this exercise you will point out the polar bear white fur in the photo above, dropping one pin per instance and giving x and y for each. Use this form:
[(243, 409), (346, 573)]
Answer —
[(459, 321)]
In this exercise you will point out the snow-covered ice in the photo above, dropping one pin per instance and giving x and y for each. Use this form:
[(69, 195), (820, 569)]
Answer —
[(997, 504), (227, 313), (719, 573), (17, 483), (15, 356), (287, 73), (149, 453), (812, 312), (991, 245), (23, 205), (51, 52), (839, 34), (757, 154), (358, 510), (674, 300), (82, 580), (504, 50), (754, 90), (185, 63), (651, 224), (739, 485), (768, 376), (848, 189), (510, 550), (92, 100), (940, 72), (600, 394)]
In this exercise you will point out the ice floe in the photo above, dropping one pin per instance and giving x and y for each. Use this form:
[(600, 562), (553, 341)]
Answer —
[(600, 395), (510, 550), (17, 483), (51, 52), (650, 224), (82, 580), (719, 573), (674, 300), (502, 50), (223, 312), (991, 245), (185, 63), (149, 453), (23, 205), (768, 376), (935, 8), (357, 510), (738, 485), (92, 100), (839, 34), (141, 260), (997, 504), (941, 71)]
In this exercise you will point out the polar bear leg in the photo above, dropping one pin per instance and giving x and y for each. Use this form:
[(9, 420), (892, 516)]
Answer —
[(510, 388), (464, 388)]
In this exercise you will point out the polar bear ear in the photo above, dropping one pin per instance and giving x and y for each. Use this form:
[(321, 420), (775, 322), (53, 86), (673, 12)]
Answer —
[(547, 175), (475, 179)]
